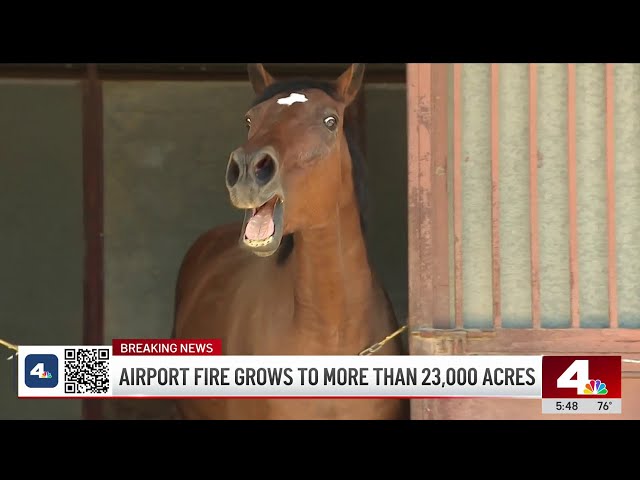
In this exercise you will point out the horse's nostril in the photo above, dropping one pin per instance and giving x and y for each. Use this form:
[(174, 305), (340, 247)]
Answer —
[(233, 173), (265, 169)]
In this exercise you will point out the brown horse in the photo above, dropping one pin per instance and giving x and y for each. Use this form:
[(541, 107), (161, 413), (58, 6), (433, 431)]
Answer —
[(294, 278)]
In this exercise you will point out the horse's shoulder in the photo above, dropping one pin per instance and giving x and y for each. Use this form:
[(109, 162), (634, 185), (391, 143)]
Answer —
[(214, 241), (208, 246)]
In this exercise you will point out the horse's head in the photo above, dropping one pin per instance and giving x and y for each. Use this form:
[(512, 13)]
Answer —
[(290, 173)]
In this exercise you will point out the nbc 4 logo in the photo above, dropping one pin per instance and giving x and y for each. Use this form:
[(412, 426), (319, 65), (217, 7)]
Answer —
[(41, 371), (577, 376)]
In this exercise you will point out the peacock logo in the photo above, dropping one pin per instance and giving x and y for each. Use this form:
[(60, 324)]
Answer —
[(595, 387)]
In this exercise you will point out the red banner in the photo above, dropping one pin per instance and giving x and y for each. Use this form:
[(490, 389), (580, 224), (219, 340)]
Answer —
[(167, 346), (581, 377)]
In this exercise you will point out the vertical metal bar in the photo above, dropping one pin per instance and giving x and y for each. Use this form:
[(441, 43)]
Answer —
[(424, 194), (440, 147), (573, 208), (419, 211), (427, 107), (611, 192), (419, 190), (416, 301), (495, 193), (457, 190), (92, 159), (533, 195)]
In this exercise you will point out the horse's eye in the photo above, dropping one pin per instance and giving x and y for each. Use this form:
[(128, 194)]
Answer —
[(331, 122)]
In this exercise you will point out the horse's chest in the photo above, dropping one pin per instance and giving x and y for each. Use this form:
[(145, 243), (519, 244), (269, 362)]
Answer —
[(257, 324), (259, 316), (268, 328)]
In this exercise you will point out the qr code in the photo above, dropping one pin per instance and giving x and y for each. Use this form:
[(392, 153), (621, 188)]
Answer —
[(86, 370)]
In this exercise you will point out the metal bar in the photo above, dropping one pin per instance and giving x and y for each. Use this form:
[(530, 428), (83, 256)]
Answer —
[(533, 195), (419, 207), (457, 191), (92, 159), (495, 194), (573, 208), (541, 341), (440, 147), (419, 190), (425, 165), (611, 192)]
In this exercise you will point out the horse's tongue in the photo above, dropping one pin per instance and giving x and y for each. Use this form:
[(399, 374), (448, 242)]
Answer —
[(261, 226)]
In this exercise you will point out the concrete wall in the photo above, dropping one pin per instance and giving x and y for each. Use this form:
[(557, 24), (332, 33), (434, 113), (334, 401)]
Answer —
[(41, 239)]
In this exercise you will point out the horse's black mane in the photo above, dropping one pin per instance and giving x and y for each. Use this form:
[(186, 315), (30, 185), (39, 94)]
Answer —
[(357, 156)]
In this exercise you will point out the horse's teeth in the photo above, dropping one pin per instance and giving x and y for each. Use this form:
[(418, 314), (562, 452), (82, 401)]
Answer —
[(259, 243)]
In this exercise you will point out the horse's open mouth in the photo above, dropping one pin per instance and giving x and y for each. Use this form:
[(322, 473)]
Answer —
[(262, 229)]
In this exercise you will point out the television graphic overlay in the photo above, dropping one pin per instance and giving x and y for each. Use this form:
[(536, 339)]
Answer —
[(196, 368), (582, 384), (54, 371), (86, 370), (41, 371)]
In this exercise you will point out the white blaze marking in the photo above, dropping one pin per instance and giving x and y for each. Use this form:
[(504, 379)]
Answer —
[(293, 98)]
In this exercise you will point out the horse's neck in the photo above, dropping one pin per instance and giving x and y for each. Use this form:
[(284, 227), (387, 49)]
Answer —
[(333, 278)]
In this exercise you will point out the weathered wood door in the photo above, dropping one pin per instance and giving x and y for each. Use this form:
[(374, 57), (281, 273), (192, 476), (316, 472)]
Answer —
[(523, 229)]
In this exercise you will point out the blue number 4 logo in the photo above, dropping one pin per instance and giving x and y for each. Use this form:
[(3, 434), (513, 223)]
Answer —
[(41, 371)]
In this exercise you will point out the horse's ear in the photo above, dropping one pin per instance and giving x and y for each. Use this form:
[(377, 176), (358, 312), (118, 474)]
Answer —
[(349, 83), (259, 77)]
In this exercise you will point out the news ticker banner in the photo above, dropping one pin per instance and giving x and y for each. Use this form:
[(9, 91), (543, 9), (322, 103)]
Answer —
[(196, 369)]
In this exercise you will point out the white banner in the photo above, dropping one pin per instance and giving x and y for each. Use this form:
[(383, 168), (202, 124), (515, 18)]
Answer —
[(93, 371)]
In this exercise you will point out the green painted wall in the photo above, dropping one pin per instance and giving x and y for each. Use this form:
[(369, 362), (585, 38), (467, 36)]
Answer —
[(41, 239)]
